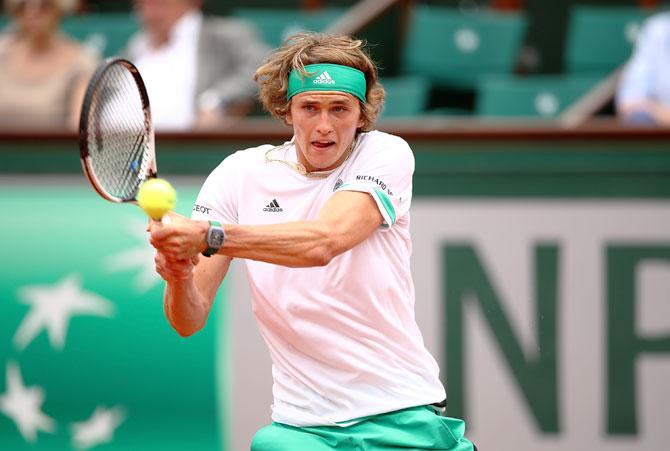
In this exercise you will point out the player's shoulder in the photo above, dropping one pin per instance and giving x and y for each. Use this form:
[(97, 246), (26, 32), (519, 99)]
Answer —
[(375, 143)]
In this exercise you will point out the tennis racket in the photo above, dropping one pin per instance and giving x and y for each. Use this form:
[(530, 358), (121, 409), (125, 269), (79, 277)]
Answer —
[(116, 134)]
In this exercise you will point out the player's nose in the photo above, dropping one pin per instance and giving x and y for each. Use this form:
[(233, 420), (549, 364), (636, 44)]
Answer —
[(324, 125)]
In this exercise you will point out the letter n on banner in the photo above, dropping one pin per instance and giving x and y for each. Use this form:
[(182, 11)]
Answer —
[(625, 344), (465, 279)]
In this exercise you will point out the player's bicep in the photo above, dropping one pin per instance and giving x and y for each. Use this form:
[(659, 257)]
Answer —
[(209, 274), (351, 217)]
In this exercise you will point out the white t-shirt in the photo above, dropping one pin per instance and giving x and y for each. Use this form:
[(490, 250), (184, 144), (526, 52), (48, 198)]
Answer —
[(343, 338)]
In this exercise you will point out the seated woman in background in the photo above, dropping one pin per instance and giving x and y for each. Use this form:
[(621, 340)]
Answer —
[(43, 73)]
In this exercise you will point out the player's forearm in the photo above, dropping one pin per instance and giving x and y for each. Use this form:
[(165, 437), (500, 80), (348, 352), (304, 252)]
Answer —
[(185, 308), (294, 244)]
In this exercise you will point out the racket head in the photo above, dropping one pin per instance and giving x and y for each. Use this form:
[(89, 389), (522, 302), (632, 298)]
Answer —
[(116, 134)]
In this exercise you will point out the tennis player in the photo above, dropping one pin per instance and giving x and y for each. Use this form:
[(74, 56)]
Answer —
[(322, 223)]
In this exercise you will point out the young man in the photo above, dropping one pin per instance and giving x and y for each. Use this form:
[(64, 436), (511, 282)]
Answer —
[(323, 225)]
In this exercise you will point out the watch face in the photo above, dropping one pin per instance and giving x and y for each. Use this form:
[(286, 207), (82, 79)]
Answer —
[(216, 237)]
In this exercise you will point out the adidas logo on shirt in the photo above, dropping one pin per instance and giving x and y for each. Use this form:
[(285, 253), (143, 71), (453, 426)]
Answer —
[(324, 79), (273, 206)]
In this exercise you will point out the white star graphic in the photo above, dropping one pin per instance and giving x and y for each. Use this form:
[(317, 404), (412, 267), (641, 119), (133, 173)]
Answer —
[(24, 405), (98, 429), (141, 256), (51, 309)]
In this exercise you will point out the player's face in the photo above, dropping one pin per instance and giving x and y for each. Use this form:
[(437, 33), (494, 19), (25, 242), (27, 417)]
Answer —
[(324, 126)]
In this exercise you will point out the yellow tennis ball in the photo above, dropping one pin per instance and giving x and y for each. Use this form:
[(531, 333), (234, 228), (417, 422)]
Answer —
[(156, 197)]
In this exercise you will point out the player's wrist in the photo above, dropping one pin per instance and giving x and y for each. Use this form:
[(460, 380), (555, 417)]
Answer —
[(214, 238), (201, 228)]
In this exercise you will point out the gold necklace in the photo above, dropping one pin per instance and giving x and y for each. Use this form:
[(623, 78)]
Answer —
[(299, 167)]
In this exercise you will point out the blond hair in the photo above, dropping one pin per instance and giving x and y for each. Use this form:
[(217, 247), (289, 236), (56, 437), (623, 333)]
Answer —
[(304, 49)]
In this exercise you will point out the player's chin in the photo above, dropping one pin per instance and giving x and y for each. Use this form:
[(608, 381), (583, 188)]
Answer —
[(324, 160), (323, 165)]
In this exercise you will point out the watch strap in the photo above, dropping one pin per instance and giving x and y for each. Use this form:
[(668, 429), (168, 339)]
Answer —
[(211, 250)]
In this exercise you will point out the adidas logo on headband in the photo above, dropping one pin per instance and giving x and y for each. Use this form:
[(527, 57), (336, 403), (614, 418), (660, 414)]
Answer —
[(345, 79), (324, 79)]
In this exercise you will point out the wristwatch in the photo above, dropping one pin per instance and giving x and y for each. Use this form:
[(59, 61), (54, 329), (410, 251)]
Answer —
[(215, 238)]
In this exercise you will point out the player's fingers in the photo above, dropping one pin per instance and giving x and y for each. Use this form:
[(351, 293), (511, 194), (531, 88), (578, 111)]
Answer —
[(169, 217), (171, 249), (153, 225), (171, 225), (171, 261), (170, 269), (170, 275), (165, 239), (159, 231)]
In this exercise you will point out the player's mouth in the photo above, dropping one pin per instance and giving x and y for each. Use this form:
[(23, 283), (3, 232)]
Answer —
[(323, 144)]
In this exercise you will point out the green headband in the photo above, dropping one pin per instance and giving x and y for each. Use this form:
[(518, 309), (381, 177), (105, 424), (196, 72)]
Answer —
[(327, 77)]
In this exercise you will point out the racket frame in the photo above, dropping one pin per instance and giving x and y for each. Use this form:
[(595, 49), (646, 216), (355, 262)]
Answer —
[(84, 150)]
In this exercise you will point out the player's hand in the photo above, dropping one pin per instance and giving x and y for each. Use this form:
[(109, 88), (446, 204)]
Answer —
[(175, 270), (180, 239)]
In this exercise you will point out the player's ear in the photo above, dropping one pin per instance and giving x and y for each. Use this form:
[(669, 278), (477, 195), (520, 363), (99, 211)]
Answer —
[(361, 117), (289, 117)]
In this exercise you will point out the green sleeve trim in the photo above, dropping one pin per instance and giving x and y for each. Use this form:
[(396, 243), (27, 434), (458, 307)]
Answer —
[(388, 205), (381, 199)]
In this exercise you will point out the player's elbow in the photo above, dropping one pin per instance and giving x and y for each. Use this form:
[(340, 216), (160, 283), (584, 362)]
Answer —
[(322, 256), (333, 243), (186, 330), (319, 255), (182, 327), (327, 243), (331, 247)]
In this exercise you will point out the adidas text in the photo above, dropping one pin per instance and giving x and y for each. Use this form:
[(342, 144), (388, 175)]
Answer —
[(324, 79), (273, 207)]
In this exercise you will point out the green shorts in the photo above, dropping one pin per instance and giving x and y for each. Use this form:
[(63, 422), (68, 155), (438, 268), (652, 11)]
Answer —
[(416, 428)]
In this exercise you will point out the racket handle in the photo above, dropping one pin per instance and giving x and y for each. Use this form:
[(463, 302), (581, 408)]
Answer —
[(166, 220)]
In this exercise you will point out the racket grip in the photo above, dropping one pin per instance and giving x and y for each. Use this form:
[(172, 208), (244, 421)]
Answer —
[(166, 220)]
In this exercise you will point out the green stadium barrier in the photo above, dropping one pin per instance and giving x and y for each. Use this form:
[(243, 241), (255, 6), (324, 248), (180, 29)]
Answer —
[(601, 38), (105, 34), (81, 322), (538, 96), (456, 50), (405, 96), (276, 24)]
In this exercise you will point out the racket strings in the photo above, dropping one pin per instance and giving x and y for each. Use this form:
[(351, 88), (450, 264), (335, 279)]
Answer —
[(135, 147), (119, 134)]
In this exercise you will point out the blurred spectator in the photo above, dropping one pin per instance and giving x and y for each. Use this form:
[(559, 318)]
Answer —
[(643, 95), (198, 71), (43, 74)]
